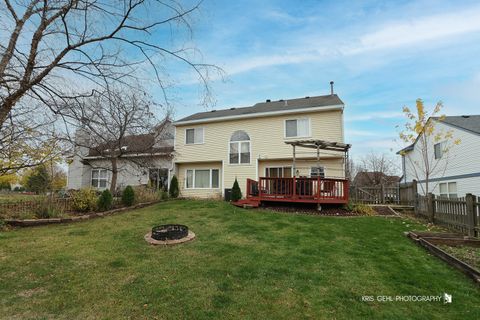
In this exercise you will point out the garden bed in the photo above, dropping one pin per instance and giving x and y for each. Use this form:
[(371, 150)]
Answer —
[(75, 218), (459, 251)]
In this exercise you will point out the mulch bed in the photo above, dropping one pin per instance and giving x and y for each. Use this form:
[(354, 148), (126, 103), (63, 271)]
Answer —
[(383, 211), (310, 210)]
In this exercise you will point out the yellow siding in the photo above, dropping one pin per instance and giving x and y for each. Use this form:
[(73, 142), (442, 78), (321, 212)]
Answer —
[(267, 137), (198, 193), (333, 167)]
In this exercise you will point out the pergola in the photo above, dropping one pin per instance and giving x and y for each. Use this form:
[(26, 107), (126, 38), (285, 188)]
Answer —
[(320, 145)]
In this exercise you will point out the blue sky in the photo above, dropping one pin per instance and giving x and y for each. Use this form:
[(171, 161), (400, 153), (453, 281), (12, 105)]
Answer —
[(382, 55)]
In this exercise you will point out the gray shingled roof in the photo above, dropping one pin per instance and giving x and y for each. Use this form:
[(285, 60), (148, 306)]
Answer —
[(468, 122), (290, 104)]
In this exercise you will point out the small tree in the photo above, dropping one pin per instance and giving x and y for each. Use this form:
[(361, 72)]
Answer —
[(236, 192), (421, 131), (38, 180), (128, 196), (173, 191), (105, 201)]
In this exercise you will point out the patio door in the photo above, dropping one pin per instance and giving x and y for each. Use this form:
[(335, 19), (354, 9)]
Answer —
[(278, 172)]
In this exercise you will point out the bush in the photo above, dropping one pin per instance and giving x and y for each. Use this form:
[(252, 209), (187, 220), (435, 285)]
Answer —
[(128, 196), (84, 200), (46, 209), (363, 209), (5, 185), (105, 201), (236, 192), (174, 191), (145, 194), (163, 194)]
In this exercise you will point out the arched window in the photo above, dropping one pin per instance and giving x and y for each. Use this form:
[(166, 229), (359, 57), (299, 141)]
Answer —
[(239, 147)]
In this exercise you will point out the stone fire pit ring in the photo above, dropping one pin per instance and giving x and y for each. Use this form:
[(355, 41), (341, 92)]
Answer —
[(169, 234)]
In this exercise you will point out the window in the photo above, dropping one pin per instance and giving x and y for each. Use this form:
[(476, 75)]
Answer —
[(280, 172), (317, 172), (194, 136), (239, 149), (448, 190), (297, 128), (99, 178), (438, 149), (158, 178), (202, 179)]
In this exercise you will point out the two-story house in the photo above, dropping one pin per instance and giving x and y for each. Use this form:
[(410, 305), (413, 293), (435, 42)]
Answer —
[(455, 169), (214, 148)]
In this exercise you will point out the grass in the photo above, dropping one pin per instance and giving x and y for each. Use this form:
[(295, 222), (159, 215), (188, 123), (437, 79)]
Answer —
[(249, 264)]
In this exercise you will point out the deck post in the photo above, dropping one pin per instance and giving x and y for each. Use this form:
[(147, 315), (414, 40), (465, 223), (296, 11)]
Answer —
[(294, 193), (294, 169)]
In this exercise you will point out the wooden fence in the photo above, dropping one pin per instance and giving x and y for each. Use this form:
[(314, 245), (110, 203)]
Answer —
[(459, 214), (375, 195)]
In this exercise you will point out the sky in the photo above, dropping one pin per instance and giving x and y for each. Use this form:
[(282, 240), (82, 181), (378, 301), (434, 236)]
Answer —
[(382, 55)]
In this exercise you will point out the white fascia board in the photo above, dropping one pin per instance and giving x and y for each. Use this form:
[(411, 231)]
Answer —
[(260, 114)]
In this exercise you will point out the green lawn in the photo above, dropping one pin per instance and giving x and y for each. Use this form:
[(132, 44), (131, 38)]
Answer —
[(244, 264)]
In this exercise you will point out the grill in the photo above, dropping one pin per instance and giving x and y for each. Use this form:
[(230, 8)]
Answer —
[(169, 232)]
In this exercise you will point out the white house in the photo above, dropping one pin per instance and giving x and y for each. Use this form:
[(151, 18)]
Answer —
[(456, 167), (146, 159)]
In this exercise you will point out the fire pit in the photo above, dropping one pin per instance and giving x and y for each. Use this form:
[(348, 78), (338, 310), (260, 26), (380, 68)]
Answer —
[(169, 234)]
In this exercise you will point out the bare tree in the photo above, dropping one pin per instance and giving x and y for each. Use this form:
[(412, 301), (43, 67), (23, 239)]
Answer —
[(379, 166), (51, 51), (119, 126)]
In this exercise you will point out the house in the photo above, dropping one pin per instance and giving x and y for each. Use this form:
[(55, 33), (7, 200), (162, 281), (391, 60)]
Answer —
[(456, 167), (375, 179), (214, 148), (146, 160)]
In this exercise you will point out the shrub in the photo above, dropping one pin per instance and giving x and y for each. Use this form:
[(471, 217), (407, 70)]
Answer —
[(236, 192), (128, 196), (363, 209), (163, 194), (105, 201), (84, 200), (145, 194), (4, 185), (174, 191), (47, 209)]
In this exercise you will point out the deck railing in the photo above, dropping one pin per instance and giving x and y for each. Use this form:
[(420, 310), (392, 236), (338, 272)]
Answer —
[(299, 189)]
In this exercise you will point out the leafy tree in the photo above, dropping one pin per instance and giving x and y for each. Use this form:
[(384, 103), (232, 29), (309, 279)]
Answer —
[(422, 132), (174, 190), (105, 200), (39, 180), (128, 196), (236, 192)]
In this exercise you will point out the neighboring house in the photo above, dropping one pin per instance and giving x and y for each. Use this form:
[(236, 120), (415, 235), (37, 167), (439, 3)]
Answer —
[(146, 160), (374, 179), (214, 148), (458, 170)]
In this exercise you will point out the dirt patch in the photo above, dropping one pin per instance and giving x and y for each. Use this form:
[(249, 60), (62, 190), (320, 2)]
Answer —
[(383, 211), (311, 210), (31, 292)]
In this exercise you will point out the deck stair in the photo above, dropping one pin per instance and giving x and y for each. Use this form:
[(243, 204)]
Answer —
[(247, 203)]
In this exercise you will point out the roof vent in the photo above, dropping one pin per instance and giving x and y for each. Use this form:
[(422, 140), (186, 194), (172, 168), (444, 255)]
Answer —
[(280, 100), (331, 88), (307, 97), (464, 116), (213, 111), (268, 100), (232, 108)]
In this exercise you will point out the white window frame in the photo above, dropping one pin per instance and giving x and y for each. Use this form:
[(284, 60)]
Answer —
[(98, 179), (309, 133), (448, 194), (441, 146), (209, 179), (194, 130), (324, 172), (240, 153)]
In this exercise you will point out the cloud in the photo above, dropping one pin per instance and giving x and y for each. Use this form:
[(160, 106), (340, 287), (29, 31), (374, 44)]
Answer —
[(373, 116), (392, 34)]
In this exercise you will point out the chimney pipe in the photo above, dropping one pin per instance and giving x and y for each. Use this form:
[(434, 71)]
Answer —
[(331, 88)]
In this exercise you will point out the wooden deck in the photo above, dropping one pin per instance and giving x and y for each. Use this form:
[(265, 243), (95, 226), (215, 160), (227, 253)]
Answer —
[(300, 190)]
